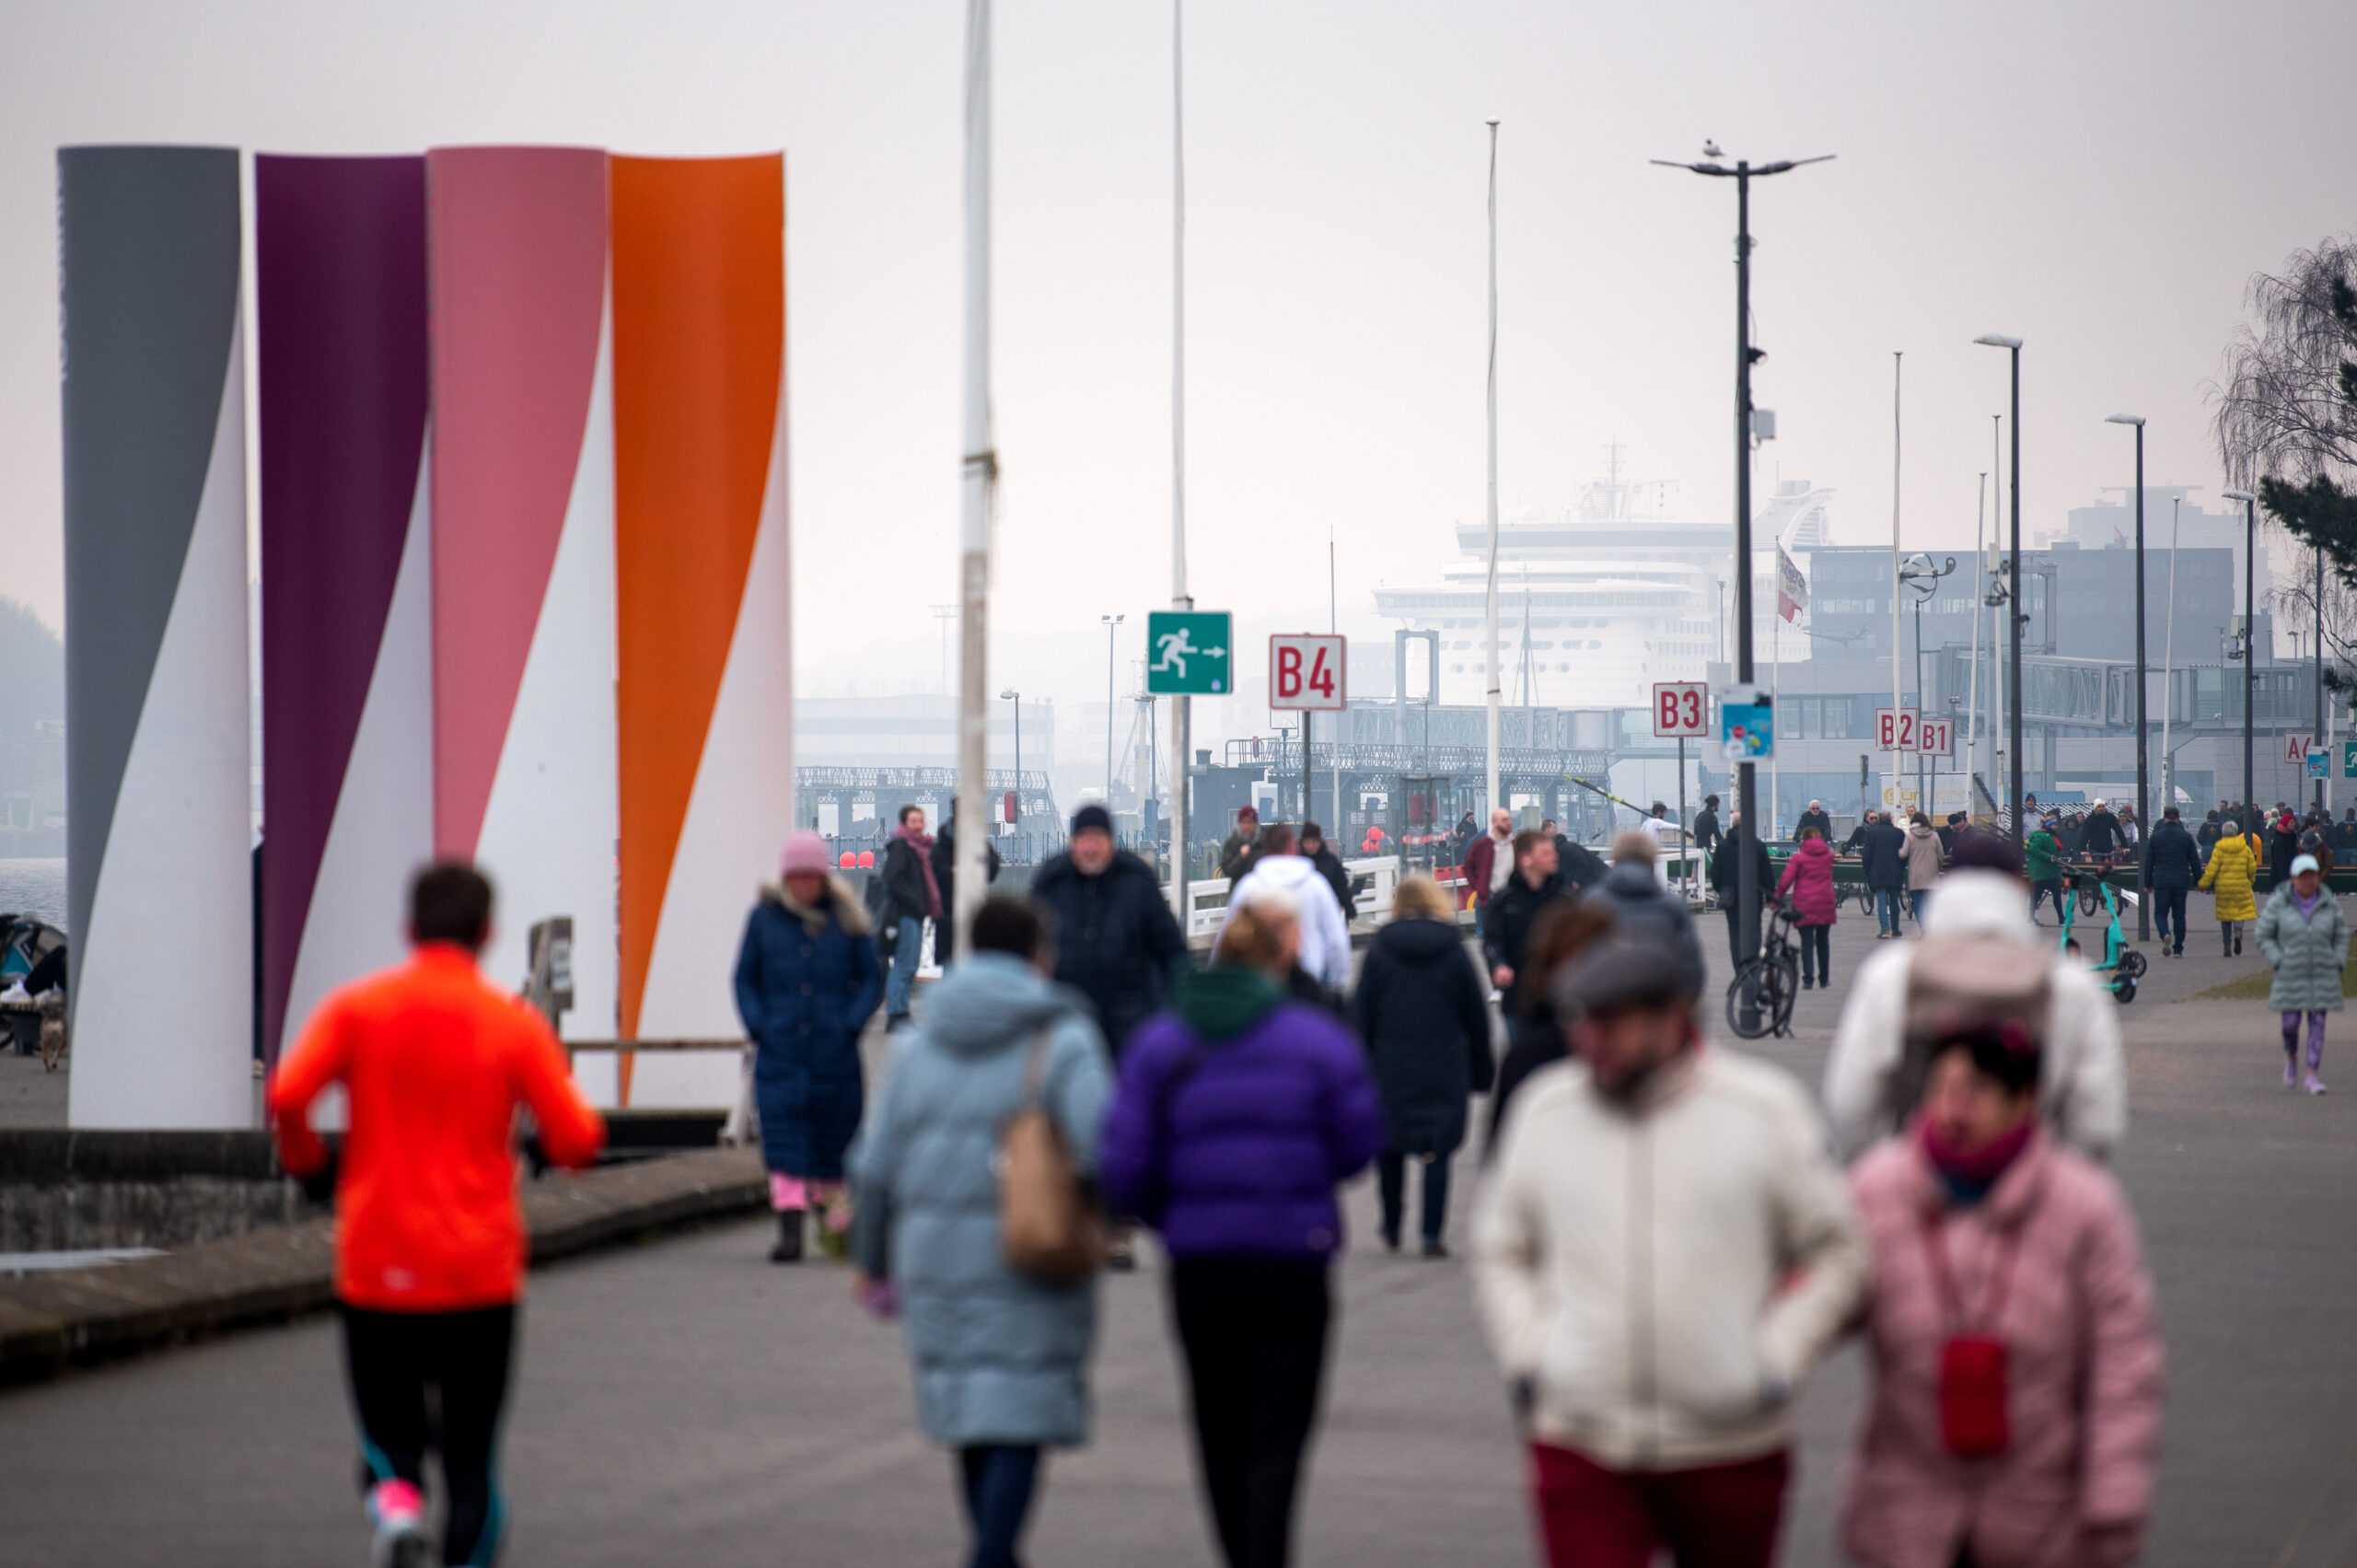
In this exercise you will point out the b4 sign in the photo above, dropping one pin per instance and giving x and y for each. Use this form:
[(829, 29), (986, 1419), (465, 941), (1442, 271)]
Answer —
[(1306, 672)]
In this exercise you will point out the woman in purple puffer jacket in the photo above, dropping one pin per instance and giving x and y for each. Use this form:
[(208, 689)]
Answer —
[(1236, 1118), (1808, 878)]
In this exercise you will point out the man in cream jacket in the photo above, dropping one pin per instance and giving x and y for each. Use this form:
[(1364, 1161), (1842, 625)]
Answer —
[(1976, 933), (1663, 1249)]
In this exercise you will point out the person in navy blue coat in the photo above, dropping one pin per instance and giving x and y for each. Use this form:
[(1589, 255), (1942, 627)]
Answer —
[(807, 978)]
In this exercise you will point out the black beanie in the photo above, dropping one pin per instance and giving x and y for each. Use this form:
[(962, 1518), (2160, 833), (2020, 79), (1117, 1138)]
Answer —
[(1091, 815)]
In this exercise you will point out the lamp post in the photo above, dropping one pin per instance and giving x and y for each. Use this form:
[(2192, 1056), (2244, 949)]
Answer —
[(2014, 588), (2318, 652), (2143, 736), (1918, 573), (2250, 630), (1492, 611), (1113, 623), (1012, 695), (1747, 832)]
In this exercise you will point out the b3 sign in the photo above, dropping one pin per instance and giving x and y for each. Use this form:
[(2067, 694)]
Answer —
[(1681, 709), (1306, 672)]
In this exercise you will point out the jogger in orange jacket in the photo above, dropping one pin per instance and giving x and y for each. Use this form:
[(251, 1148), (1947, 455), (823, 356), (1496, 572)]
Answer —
[(430, 1240)]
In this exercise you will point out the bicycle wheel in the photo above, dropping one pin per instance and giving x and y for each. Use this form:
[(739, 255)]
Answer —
[(1773, 980), (2090, 897)]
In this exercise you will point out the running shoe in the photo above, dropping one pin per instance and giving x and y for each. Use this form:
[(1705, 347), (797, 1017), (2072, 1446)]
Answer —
[(398, 1513), (2314, 1085)]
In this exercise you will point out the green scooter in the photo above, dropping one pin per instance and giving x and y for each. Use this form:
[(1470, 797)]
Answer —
[(2122, 964)]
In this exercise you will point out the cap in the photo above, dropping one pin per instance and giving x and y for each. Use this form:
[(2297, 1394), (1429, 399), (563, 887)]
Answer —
[(1091, 815), (1619, 973), (2305, 862), (805, 852)]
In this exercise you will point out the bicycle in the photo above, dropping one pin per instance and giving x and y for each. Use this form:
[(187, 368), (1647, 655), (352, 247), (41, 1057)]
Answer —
[(1772, 980)]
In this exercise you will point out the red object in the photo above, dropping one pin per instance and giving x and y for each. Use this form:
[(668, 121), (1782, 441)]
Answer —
[(846, 860), (1480, 858), (1589, 1517), (866, 860), (1972, 1396), (1808, 876), (1009, 812), (435, 1061)]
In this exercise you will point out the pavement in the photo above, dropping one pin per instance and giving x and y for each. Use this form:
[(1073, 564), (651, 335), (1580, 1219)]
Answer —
[(685, 1401)]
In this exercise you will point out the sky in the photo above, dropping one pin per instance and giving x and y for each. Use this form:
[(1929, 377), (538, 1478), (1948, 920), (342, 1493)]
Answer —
[(2098, 179)]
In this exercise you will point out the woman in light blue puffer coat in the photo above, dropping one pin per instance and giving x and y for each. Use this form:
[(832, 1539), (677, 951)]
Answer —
[(2304, 936), (1001, 1362)]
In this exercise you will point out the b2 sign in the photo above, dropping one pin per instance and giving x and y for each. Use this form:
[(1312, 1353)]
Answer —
[(1894, 729), (1306, 672), (1681, 710)]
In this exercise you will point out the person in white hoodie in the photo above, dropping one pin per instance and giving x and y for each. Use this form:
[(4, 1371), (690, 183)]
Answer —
[(1663, 1249), (1325, 935), (1977, 938)]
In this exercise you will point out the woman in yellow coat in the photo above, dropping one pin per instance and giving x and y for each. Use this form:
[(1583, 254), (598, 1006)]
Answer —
[(2231, 871)]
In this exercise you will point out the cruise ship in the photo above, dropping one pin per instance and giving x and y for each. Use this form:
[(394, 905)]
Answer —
[(1598, 602)]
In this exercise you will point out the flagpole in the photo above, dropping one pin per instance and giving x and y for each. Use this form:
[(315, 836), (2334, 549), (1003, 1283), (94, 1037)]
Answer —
[(1972, 701), (979, 484)]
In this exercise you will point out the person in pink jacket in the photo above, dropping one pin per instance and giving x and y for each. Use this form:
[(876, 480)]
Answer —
[(2015, 1417), (1808, 878)]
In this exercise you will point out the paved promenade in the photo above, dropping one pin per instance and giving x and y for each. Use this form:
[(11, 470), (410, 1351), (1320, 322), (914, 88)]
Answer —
[(687, 1403)]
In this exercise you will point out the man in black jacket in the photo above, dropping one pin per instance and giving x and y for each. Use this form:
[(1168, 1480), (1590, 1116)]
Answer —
[(1505, 933), (1707, 836), (1884, 850), (1243, 847), (911, 898), (1574, 862), (2098, 833), (1724, 868), (2174, 862), (1815, 816), (1329, 865), (1116, 942)]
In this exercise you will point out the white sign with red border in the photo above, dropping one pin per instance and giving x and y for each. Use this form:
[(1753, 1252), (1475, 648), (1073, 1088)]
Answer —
[(1681, 710), (1935, 737), (2295, 747), (1306, 672), (1894, 729)]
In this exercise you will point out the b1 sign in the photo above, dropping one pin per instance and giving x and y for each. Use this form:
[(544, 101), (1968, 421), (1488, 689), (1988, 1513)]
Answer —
[(1935, 737), (1306, 672), (1681, 710)]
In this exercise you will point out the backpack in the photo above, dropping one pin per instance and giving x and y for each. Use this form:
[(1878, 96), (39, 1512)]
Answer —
[(875, 900), (1051, 1230), (1967, 978)]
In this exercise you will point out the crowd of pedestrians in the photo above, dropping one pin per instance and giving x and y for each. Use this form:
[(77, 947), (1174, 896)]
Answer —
[(1666, 1236)]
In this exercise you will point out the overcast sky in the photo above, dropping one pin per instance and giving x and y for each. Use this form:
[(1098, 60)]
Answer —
[(2098, 178)]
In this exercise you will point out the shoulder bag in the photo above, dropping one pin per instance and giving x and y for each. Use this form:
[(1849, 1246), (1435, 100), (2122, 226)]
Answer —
[(1051, 1230)]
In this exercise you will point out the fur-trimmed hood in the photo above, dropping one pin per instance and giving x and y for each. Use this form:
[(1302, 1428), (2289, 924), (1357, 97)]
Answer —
[(848, 910)]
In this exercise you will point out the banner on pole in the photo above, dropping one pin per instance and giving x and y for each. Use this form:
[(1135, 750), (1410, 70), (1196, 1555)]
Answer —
[(1791, 589)]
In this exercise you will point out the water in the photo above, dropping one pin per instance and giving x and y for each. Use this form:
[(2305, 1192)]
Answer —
[(36, 887)]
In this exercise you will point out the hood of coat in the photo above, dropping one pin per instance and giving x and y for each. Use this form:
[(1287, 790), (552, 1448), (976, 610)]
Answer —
[(1631, 880), (1919, 831), (1222, 1003), (1976, 900), (847, 909), (1286, 872), (1418, 940), (1815, 849), (987, 1003)]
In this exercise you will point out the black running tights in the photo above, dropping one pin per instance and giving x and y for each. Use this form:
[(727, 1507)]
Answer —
[(391, 1359)]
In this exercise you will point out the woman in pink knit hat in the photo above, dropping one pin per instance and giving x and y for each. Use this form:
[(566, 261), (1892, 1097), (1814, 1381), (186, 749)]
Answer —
[(807, 980)]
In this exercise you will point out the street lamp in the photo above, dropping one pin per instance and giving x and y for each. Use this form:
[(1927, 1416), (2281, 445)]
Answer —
[(2250, 630), (1012, 695), (1747, 832), (2014, 588), (2144, 794), (1111, 623), (1918, 573)]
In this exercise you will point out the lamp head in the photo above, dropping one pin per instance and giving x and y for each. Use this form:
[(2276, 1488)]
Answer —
[(2135, 419), (2236, 496), (1009, 695), (1991, 340)]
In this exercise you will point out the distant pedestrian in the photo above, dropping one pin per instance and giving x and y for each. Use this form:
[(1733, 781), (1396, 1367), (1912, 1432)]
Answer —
[(2304, 934), (2232, 871), (2317, 846), (1977, 942), (2343, 838), (1236, 1118), (912, 897), (2043, 852), (807, 978), (1516, 909), (1856, 843), (1461, 837), (1815, 816), (1923, 862), (1320, 853), (1644, 909), (1488, 860), (1662, 1251), (2016, 1410), (435, 1061), (1808, 881), (1885, 854), (1560, 932), (943, 857), (1422, 1009), (1727, 882), (2172, 862), (1237, 854), (2206, 836), (1324, 948), (1116, 942), (1707, 835), (1574, 862), (2282, 848), (1000, 1359), (1657, 823)]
